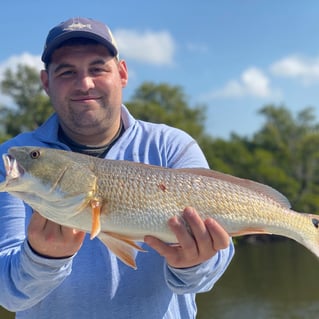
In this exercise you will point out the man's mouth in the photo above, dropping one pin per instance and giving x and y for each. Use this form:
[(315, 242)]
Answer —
[(85, 98)]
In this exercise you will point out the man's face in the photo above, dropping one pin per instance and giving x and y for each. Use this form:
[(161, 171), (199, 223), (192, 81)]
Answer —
[(84, 83)]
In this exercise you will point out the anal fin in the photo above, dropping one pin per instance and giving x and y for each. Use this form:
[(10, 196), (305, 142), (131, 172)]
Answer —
[(249, 231), (123, 247)]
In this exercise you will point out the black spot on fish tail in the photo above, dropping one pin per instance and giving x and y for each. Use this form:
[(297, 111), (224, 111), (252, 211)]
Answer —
[(315, 222)]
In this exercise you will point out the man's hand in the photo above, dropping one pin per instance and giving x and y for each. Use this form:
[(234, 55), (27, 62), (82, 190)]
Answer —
[(52, 240), (207, 239)]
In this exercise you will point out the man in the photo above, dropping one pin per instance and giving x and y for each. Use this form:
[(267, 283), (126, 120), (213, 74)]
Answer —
[(43, 271)]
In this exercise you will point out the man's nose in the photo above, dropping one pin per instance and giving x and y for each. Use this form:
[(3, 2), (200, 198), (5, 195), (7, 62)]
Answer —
[(84, 82)]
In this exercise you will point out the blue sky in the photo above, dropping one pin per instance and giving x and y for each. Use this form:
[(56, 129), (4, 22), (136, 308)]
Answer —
[(234, 56)]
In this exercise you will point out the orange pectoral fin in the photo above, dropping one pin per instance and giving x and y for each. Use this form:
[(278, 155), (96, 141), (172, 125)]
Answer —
[(124, 248), (96, 221)]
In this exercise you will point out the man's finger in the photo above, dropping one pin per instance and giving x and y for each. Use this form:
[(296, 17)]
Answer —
[(219, 236)]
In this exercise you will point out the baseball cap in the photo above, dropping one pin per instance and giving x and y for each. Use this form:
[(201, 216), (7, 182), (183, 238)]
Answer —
[(79, 28)]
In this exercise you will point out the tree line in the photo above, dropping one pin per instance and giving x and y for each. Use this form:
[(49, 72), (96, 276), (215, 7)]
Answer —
[(283, 153)]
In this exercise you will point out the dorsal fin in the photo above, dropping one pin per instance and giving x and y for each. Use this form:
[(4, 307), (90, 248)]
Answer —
[(247, 183)]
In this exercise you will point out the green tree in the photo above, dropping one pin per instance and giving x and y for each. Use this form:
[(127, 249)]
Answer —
[(293, 143), (162, 103), (31, 105), (284, 154)]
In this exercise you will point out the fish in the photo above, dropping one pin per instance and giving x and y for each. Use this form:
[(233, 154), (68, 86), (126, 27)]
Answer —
[(121, 201)]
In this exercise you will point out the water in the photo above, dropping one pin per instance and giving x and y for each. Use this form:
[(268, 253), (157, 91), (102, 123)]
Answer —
[(276, 280)]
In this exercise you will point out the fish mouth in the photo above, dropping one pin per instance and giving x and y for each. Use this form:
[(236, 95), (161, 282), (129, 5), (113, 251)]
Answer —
[(12, 167)]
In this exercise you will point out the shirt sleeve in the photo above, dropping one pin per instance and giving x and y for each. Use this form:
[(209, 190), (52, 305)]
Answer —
[(26, 278), (201, 278)]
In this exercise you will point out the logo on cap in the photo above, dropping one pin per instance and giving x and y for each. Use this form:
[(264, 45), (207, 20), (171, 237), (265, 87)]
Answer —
[(77, 26)]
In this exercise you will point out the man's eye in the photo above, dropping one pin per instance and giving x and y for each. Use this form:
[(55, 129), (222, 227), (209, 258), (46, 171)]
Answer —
[(66, 73), (97, 70)]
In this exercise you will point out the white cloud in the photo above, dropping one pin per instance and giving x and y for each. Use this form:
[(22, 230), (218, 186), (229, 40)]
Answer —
[(150, 47), (252, 82), (24, 59), (304, 69)]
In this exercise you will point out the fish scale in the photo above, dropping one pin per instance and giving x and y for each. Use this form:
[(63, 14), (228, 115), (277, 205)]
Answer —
[(120, 202)]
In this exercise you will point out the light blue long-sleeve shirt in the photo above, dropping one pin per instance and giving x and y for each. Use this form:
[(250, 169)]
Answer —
[(94, 283)]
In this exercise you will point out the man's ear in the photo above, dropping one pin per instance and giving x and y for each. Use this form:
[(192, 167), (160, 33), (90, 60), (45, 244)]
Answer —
[(44, 80), (123, 72)]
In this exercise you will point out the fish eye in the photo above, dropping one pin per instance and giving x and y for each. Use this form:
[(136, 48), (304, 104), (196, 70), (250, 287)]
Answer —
[(35, 154)]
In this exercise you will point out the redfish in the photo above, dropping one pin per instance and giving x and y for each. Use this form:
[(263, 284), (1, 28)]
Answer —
[(120, 201)]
